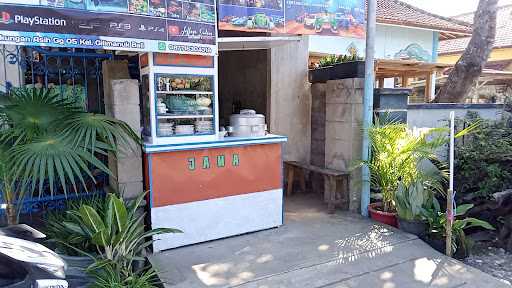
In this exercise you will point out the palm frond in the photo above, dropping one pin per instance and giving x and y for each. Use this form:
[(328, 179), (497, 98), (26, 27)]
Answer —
[(87, 130), (53, 159), (52, 140), (33, 113)]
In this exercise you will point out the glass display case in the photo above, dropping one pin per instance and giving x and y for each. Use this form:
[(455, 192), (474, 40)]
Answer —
[(179, 102), (184, 105)]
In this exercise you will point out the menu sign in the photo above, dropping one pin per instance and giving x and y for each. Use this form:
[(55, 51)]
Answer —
[(135, 25), (319, 17)]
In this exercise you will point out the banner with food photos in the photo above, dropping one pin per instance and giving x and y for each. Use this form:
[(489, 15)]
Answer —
[(344, 18), (173, 26)]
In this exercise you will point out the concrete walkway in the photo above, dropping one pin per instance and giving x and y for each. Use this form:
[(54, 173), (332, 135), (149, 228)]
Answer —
[(314, 250)]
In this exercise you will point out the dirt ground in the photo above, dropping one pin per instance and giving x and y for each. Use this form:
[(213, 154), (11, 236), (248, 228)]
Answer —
[(490, 259)]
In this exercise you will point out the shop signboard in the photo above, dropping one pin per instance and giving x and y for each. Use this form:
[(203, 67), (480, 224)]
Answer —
[(319, 17), (135, 25)]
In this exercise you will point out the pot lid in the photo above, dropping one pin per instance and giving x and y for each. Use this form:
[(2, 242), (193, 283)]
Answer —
[(247, 113)]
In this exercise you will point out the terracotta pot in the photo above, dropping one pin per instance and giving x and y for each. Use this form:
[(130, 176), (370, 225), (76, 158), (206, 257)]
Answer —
[(388, 218)]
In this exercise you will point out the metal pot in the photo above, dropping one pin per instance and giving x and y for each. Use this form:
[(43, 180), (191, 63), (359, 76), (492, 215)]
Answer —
[(247, 124)]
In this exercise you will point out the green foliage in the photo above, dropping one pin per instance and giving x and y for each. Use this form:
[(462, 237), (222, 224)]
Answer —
[(52, 140), (411, 202), (116, 232), (397, 154), (484, 158), (108, 274), (437, 226), (64, 230), (333, 59)]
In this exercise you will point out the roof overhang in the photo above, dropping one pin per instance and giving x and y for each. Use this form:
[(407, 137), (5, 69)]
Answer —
[(254, 43), (385, 68), (443, 34)]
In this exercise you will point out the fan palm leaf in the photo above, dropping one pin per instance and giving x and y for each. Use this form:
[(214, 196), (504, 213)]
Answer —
[(53, 141)]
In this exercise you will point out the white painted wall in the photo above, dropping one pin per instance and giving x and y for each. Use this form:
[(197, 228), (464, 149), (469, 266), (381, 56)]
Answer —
[(390, 40), (10, 72), (335, 44), (427, 116)]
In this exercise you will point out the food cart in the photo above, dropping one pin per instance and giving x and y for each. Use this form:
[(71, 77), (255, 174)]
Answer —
[(201, 180)]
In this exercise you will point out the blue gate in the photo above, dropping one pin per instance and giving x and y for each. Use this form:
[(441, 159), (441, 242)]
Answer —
[(73, 73)]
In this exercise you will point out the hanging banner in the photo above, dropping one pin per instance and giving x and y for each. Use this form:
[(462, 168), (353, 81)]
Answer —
[(252, 15), (301, 17), (133, 25)]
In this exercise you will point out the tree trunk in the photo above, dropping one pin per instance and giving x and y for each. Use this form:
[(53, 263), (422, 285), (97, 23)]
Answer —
[(469, 67), (10, 212)]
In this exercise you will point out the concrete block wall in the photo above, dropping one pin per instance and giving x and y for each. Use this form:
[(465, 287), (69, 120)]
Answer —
[(122, 102), (318, 123), (341, 149)]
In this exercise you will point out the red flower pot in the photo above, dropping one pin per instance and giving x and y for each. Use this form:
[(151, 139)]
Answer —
[(378, 215)]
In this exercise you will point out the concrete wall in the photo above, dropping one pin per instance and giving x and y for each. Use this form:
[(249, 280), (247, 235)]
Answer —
[(122, 102), (343, 131), (248, 85), (290, 98), (318, 122), (436, 115)]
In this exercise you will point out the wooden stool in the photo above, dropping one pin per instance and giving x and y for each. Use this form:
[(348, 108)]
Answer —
[(291, 171)]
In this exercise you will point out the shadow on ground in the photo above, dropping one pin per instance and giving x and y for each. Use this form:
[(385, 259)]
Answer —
[(313, 250)]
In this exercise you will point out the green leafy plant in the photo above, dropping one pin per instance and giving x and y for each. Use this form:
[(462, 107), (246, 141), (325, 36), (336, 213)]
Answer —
[(117, 230), (437, 226), (64, 231), (53, 141), (400, 155), (482, 172), (108, 274), (331, 60), (396, 153), (412, 201)]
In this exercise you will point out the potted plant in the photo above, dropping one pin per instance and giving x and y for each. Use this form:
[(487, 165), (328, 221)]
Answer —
[(397, 156), (411, 203), (337, 67), (64, 236), (117, 232), (436, 236)]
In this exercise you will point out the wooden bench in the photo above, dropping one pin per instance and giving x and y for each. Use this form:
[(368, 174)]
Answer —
[(336, 183)]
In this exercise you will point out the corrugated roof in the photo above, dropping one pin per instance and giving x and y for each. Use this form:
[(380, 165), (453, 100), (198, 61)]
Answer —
[(400, 13), (503, 32)]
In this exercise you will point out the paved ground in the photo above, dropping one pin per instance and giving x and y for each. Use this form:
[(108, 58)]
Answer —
[(316, 250)]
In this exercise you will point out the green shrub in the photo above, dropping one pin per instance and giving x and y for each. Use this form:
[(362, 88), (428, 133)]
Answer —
[(484, 158), (63, 230)]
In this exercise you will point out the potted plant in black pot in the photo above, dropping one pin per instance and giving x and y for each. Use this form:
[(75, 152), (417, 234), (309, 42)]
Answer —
[(436, 236), (411, 202), (337, 67)]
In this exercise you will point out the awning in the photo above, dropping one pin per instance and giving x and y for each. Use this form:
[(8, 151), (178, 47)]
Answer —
[(410, 68), (254, 43)]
